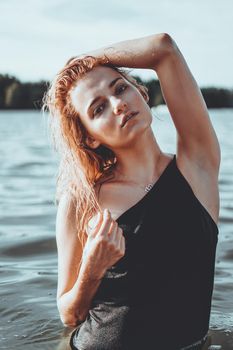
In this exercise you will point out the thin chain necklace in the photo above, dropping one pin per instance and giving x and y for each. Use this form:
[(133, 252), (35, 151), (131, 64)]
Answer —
[(146, 188)]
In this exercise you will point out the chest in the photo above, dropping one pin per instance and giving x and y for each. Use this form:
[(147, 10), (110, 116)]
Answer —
[(122, 199)]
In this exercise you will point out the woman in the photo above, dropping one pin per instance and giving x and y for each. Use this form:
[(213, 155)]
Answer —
[(136, 227)]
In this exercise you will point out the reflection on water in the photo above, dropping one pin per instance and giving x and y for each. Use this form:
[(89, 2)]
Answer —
[(28, 267)]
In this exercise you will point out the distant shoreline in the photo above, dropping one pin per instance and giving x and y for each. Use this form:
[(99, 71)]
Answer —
[(15, 95)]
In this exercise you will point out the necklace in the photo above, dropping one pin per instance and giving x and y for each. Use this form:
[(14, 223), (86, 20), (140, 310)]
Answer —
[(146, 188)]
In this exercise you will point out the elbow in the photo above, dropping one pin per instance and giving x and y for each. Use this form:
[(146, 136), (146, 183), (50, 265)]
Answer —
[(69, 321), (166, 46), (167, 42), (67, 317)]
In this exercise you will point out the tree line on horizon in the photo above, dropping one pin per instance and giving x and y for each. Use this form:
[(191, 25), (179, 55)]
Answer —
[(17, 95)]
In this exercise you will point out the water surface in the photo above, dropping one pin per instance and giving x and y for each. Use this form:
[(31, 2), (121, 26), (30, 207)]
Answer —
[(28, 263)]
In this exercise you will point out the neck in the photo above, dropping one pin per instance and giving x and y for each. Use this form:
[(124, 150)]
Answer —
[(133, 160)]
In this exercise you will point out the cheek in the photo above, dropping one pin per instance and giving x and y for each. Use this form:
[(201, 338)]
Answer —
[(136, 97), (107, 123), (107, 127), (101, 128)]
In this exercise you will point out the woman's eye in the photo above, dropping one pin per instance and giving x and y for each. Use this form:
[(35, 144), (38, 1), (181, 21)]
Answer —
[(98, 109), (121, 88)]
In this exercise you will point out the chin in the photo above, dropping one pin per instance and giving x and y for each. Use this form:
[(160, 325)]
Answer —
[(136, 132)]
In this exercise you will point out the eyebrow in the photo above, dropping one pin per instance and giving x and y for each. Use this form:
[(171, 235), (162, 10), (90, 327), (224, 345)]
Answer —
[(110, 86)]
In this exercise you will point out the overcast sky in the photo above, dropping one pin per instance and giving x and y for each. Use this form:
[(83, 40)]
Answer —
[(38, 36)]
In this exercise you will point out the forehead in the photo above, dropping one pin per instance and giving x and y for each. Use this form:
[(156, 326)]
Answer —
[(93, 84)]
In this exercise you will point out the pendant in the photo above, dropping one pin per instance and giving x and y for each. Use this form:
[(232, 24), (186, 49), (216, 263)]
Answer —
[(148, 187)]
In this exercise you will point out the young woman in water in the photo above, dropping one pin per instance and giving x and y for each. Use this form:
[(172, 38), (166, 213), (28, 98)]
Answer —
[(136, 227)]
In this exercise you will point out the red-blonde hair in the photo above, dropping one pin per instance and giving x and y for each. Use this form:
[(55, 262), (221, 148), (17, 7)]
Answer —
[(80, 167)]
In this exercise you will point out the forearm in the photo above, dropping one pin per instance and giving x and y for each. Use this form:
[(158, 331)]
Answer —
[(75, 304), (145, 52)]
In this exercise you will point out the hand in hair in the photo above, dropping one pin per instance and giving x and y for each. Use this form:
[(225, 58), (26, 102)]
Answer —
[(75, 58), (105, 245)]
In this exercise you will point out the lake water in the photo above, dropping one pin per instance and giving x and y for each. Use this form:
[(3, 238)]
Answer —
[(28, 261)]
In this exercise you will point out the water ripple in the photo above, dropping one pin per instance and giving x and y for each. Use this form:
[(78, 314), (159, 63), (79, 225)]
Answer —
[(28, 268)]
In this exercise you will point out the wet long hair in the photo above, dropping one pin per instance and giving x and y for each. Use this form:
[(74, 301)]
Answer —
[(80, 167)]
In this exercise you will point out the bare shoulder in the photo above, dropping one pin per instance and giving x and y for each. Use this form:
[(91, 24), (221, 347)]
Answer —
[(202, 176)]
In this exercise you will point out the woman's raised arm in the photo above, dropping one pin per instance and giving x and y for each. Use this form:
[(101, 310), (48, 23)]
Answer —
[(196, 138), (145, 52)]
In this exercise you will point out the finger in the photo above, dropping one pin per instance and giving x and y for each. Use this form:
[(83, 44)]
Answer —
[(120, 234), (113, 232), (122, 244), (117, 237), (106, 223), (112, 228), (98, 222)]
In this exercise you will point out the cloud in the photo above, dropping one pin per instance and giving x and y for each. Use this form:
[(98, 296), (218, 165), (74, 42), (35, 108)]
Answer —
[(91, 11), (47, 33)]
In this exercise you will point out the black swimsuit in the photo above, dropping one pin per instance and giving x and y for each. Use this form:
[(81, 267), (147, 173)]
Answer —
[(158, 296)]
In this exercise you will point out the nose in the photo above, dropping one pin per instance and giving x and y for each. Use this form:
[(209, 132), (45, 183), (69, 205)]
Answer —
[(119, 105)]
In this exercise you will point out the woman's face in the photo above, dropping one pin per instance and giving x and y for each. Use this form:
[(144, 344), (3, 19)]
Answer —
[(102, 98)]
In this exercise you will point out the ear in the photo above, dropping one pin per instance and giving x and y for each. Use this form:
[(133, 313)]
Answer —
[(144, 94), (92, 143), (146, 97)]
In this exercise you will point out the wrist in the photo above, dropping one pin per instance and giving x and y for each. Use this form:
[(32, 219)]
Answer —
[(91, 271)]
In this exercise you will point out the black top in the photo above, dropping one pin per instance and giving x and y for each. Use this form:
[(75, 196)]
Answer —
[(158, 296)]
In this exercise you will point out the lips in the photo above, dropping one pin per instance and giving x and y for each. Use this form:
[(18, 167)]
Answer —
[(127, 117)]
